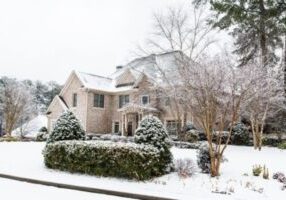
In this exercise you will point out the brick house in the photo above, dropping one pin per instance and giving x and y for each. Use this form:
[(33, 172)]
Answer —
[(117, 103)]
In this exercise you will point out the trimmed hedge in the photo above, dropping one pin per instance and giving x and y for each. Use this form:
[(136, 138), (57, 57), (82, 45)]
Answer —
[(105, 158)]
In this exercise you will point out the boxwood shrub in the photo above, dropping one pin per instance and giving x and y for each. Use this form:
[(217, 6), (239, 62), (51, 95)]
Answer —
[(105, 158)]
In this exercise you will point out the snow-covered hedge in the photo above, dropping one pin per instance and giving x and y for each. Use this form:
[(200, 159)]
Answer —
[(186, 145), (105, 158), (67, 128), (113, 138)]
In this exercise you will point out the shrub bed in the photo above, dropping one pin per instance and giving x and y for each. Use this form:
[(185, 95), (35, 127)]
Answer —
[(240, 135), (105, 158), (282, 145), (272, 141), (9, 139)]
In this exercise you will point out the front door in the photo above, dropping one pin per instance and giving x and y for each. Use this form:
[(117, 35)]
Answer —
[(129, 129)]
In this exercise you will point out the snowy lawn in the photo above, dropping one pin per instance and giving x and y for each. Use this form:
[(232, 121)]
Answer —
[(26, 160)]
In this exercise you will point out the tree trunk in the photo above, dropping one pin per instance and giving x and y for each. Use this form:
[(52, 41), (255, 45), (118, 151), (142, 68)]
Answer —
[(215, 165), (263, 46), (253, 128), (284, 64), (185, 122)]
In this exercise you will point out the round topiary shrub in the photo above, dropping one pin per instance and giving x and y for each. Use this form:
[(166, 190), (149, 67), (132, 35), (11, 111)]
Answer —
[(240, 134), (151, 131), (67, 128)]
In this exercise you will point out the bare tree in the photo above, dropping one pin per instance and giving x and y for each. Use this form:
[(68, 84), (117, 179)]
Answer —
[(215, 92), (190, 36), (16, 103), (267, 100)]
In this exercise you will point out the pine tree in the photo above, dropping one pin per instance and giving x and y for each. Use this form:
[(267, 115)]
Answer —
[(256, 26), (151, 131), (67, 128)]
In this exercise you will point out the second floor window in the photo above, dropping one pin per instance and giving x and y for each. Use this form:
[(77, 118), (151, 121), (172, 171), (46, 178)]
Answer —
[(98, 100), (74, 100), (145, 100), (123, 100), (167, 101)]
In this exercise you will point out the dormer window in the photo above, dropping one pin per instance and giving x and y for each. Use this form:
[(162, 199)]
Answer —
[(145, 100), (74, 100)]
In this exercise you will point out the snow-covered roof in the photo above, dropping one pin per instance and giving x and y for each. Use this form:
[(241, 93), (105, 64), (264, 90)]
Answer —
[(138, 67), (100, 83)]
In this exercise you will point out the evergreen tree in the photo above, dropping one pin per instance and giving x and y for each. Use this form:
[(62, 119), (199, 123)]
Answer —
[(151, 131), (257, 26), (67, 128), (53, 90)]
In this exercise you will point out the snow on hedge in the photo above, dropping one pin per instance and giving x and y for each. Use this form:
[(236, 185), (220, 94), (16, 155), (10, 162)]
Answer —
[(105, 158)]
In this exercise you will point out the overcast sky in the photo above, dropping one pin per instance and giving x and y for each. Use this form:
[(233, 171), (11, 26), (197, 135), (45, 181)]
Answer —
[(47, 39)]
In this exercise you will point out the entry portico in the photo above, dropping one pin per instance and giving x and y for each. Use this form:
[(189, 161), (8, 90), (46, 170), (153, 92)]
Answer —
[(132, 114)]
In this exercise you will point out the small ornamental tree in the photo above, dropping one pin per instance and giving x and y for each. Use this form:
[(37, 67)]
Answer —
[(67, 128), (151, 131)]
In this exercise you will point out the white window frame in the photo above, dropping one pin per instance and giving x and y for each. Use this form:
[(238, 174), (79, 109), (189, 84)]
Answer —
[(116, 122), (148, 99)]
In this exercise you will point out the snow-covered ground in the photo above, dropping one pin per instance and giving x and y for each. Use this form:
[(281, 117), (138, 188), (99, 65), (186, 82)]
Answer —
[(25, 159), (31, 128), (19, 190)]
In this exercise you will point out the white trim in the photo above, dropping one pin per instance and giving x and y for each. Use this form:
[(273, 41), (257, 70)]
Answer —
[(69, 81), (113, 126), (141, 99)]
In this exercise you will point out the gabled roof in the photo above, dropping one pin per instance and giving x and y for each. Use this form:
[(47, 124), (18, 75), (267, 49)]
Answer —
[(150, 65), (138, 68), (61, 102), (100, 83)]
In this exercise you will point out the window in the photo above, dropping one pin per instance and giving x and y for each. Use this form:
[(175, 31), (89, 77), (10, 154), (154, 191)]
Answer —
[(145, 100), (123, 100), (172, 126), (167, 101), (116, 127), (98, 100), (74, 100)]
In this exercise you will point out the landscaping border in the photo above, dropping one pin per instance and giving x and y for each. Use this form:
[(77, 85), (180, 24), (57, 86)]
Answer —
[(84, 189)]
